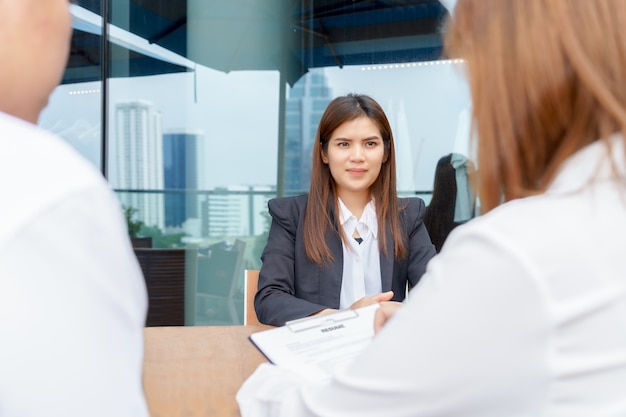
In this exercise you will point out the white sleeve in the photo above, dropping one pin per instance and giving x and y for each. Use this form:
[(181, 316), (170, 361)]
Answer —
[(470, 341), (72, 310)]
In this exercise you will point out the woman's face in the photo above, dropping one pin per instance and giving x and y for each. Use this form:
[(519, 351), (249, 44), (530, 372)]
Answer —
[(355, 156)]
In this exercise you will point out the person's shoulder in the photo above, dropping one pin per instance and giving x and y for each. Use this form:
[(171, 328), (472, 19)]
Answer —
[(288, 208), (41, 146), (34, 160), (411, 204), (411, 211), (517, 223), (298, 201)]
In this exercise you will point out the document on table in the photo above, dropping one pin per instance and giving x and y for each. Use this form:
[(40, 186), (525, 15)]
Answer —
[(318, 346)]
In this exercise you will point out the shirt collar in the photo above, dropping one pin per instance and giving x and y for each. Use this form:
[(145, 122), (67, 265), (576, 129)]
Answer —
[(368, 218)]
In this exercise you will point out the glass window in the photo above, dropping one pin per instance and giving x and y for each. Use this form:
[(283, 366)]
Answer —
[(74, 110), (210, 108)]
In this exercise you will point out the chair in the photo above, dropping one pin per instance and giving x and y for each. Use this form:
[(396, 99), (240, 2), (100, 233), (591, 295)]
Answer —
[(164, 273), (141, 242), (218, 283), (251, 281)]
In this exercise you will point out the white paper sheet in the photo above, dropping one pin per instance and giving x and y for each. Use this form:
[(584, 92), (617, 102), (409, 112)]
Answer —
[(317, 346)]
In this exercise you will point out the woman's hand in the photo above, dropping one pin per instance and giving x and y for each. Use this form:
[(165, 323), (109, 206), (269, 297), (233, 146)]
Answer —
[(325, 311), (382, 298), (374, 299), (384, 313)]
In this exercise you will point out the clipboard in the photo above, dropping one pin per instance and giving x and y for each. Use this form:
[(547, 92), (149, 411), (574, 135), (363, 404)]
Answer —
[(317, 347)]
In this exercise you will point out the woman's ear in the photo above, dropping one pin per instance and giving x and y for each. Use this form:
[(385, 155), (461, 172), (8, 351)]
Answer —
[(324, 157)]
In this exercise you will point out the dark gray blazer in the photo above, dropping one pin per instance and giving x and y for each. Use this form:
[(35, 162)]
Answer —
[(291, 286)]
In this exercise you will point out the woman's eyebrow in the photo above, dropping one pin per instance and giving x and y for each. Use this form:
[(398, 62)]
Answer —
[(358, 139)]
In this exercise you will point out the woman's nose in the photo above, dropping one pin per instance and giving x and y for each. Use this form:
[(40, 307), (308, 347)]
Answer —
[(356, 154)]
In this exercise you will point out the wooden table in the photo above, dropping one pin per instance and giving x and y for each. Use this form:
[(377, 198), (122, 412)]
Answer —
[(196, 371)]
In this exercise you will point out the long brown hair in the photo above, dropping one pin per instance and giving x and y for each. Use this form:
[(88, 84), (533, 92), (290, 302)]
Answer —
[(547, 77), (322, 194), (439, 216)]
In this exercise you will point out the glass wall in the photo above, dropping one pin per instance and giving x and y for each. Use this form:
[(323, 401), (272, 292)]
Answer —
[(198, 112), (75, 108)]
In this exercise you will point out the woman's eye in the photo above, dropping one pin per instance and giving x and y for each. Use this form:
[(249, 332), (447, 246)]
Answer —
[(342, 144), (370, 144)]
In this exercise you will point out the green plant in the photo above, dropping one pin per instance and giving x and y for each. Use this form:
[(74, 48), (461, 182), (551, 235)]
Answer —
[(161, 240), (134, 226)]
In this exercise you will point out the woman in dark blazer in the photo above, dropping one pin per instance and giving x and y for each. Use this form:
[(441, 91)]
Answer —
[(311, 263)]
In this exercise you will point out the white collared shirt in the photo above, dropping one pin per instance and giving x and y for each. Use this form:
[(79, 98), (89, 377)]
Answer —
[(361, 262), (73, 300)]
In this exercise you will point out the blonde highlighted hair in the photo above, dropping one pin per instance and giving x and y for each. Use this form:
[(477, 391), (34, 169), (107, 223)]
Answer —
[(547, 78)]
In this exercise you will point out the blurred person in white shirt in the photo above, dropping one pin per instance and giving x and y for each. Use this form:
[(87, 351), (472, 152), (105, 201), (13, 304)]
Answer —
[(72, 298)]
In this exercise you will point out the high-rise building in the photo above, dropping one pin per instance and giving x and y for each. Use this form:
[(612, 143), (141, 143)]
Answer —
[(182, 167), (304, 107), (137, 164), (236, 211)]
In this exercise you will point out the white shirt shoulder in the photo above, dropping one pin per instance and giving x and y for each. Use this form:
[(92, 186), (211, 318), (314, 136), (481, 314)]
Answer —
[(72, 296)]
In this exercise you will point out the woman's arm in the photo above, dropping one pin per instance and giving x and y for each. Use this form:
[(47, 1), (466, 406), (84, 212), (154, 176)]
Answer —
[(420, 249), (276, 302)]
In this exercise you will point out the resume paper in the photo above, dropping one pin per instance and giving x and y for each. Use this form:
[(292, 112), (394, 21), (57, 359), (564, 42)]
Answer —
[(318, 346)]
